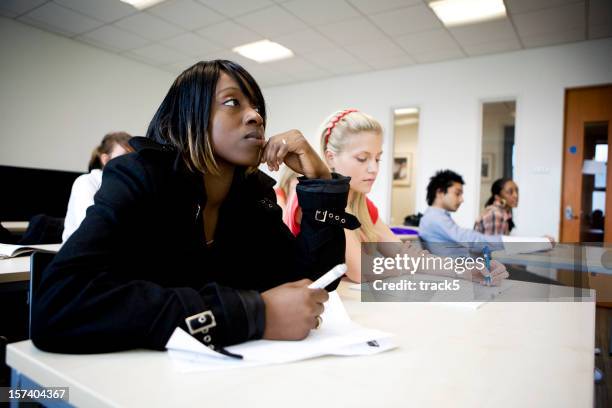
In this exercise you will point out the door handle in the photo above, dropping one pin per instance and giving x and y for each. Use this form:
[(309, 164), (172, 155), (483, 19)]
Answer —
[(569, 213)]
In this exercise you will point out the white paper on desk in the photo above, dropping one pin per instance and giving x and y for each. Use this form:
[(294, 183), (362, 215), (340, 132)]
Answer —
[(525, 245), (337, 335)]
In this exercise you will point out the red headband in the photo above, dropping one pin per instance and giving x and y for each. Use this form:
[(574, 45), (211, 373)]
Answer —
[(332, 123)]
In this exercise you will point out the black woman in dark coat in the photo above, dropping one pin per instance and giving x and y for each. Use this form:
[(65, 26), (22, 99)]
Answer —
[(185, 232)]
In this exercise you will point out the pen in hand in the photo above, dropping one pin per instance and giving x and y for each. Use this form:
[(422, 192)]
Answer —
[(333, 274), (486, 253)]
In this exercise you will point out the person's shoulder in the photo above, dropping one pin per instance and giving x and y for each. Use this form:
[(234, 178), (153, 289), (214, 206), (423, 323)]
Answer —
[(88, 181), (148, 156), (372, 210), (259, 182), (492, 210)]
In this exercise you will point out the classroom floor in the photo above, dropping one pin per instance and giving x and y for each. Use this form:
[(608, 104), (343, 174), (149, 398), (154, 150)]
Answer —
[(603, 324)]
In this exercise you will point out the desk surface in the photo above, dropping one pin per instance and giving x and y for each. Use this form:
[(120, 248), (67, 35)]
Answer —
[(563, 256), (18, 269), (501, 355)]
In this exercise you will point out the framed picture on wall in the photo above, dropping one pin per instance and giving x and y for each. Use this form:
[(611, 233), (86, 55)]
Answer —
[(486, 169), (402, 163)]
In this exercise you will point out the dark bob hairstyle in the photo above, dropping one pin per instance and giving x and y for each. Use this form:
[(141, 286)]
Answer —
[(183, 118)]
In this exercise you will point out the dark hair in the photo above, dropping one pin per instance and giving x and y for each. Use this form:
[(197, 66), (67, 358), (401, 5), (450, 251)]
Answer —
[(106, 147), (441, 181), (496, 189), (182, 120)]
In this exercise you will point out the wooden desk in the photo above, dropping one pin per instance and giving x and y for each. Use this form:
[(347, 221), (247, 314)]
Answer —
[(501, 355), (18, 227), (18, 269)]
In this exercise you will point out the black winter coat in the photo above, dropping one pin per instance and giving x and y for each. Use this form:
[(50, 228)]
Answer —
[(138, 265)]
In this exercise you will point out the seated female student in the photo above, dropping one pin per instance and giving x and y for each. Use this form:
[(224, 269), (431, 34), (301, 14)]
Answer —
[(164, 245), (113, 145), (351, 143), (496, 218)]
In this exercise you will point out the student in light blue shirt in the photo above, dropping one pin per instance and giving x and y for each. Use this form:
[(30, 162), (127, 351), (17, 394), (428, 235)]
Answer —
[(445, 195)]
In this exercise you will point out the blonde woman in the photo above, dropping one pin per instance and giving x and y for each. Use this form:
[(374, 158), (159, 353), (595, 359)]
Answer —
[(351, 145)]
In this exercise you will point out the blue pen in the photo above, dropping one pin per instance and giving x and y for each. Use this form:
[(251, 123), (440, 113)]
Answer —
[(486, 253)]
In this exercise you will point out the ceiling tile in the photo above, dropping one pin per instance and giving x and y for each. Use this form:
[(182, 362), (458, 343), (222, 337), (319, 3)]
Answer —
[(191, 44), (485, 32), (352, 31), (229, 34), (304, 41), (319, 12), (558, 37), (107, 11), (234, 8), (554, 20), (13, 8), (157, 54), (336, 61), (271, 21), (492, 47), (246, 63), (177, 67), (111, 37), (188, 14), (425, 41), (392, 62), (298, 68), (435, 56), (523, 6), (60, 19), (378, 6), (148, 26), (372, 50), (407, 20)]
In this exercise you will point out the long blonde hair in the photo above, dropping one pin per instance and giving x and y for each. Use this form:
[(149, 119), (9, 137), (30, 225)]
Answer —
[(335, 133), (284, 181)]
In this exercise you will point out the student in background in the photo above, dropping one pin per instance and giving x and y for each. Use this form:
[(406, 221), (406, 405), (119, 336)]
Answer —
[(497, 216), (159, 250), (444, 196), (285, 188), (351, 144), (114, 144)]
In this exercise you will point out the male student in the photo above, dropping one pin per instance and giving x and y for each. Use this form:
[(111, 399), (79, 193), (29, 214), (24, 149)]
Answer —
[(445, 195)]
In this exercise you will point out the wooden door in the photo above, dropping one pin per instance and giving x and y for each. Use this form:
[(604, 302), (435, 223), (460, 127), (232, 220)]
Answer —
[(588, 125)]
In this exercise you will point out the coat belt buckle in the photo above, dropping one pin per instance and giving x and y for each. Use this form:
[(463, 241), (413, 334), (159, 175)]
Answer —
[(318, 216), (201, 322)]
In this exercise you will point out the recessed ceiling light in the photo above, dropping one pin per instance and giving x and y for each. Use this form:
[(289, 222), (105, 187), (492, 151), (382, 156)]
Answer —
[(406, 111), (459, 12), (141, 4), (264, 51)]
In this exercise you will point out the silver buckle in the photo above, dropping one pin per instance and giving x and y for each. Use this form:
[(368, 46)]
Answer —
[(318, 218), (201, 322)]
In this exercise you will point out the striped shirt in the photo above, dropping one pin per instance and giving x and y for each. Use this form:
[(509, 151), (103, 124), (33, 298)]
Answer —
[(495, 220)]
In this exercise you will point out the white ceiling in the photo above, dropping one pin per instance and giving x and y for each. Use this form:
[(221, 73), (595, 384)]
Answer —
[(328, 37)]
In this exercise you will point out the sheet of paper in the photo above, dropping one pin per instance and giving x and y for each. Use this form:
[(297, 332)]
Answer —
[(338, 335), (525, 245)]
